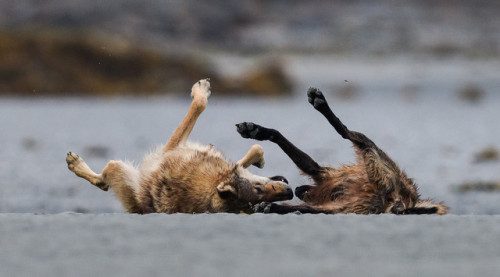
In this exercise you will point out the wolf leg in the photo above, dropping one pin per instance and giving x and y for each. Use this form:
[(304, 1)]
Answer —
[(427, 207), (255, 156), (303, 161), (122, 178), (382, 170), (272, 208), (200, 93), (78, 166)]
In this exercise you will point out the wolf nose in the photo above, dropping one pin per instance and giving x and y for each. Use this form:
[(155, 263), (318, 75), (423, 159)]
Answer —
[(289, 192)]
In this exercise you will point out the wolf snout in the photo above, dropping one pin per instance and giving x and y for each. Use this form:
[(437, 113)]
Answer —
[(279, 189), (289, 193)]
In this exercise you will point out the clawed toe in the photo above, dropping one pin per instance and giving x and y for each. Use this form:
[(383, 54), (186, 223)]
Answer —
[(72, 159)]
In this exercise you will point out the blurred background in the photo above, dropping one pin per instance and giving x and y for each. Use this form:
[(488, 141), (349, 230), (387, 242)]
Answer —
[(129, 47), (110, 79)]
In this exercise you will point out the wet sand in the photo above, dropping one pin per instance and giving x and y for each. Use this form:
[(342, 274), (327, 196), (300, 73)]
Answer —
[(241, 245)]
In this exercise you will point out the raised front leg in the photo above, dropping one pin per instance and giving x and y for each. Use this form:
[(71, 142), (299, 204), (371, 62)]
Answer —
[(200, 93), (255, 156), (301, 159), (382, 170)]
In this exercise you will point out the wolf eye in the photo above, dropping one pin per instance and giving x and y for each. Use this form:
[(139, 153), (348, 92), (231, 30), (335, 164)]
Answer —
[(259, 190), (280, 179)]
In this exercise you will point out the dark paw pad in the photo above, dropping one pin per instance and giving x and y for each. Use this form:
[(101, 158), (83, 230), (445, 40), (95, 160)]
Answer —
[(251, 130), (315, 97)]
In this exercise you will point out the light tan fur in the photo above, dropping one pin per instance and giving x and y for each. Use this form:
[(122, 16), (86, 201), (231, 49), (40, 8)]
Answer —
[(255, 156), (200, 93), (187, 177)]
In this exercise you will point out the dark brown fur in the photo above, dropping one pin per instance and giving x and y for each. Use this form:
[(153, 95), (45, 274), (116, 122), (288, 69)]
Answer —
[(373, 185)]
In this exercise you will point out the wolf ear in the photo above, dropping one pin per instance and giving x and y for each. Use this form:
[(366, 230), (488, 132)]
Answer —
[(226, 190)]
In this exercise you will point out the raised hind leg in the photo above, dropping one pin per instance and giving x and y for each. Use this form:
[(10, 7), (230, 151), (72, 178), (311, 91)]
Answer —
[(382, 170), (399, 190), (121, 177), (200, 93)]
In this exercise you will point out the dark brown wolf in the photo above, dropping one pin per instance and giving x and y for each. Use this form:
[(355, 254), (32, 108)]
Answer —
[(185, 177), (374, 185)]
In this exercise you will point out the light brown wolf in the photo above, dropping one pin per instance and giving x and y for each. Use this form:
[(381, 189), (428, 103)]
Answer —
[(374, 185), (185, 177)]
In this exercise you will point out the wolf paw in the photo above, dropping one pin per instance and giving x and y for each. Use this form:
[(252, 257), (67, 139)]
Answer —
[(254, 131), (259, 152), (73, 161), (316, 97), (301, 191), (201, 89), (262, 207), (78, 166)]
